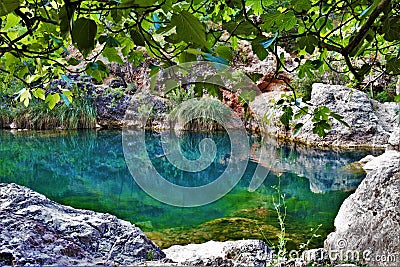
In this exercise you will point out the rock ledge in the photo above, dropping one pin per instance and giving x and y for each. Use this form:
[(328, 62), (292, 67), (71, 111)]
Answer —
[(38, 231)]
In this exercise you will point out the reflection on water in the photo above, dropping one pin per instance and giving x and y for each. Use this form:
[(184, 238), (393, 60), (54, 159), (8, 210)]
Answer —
[(87, 169)]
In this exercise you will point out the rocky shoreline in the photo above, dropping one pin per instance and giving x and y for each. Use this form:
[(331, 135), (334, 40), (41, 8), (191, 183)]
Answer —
[(37, 231), (370, 122)]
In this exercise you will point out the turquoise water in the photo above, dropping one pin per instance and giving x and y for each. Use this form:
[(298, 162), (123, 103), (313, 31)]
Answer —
[(87, 169)]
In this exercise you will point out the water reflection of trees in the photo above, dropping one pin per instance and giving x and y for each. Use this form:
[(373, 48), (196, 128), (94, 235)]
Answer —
[(87, 169)]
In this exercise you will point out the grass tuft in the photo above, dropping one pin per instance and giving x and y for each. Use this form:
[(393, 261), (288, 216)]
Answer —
[(201, 114), (80, 114)]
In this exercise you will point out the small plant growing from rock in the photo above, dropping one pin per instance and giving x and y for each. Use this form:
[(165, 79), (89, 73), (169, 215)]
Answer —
[(150, 255)]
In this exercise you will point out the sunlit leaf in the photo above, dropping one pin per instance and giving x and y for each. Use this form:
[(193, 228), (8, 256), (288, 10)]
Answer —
[(52, 100), (39, 93), (189, 28)]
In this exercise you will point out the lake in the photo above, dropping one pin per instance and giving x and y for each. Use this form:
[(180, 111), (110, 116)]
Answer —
[(87, 169)]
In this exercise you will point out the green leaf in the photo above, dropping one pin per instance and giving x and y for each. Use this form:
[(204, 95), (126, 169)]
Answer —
[(136, 57), (65, 16), (199, 89), (39, 93), (321, 113), (270, 20), (309, 42), (8, 6), (109, 41), (189, 28), (320, 128), (259, 50), (397, 99), (289, 20), (116, 15), (393, 65), (73, 61), (195, 51), (391, 29), (137, 38), (339, 118), (25, 96), (52, 100), (302, 112), (225, 52), (213, 89), (11, 21), (298, 127), (112, 55), (186, 57), (300, 5), (287, 115), (83, 35), (154, 70), (97, 70)]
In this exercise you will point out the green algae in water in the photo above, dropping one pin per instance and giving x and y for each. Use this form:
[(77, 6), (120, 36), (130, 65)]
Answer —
[(86, 169)]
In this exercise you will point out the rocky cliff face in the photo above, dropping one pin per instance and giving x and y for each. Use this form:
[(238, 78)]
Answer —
[(37, 231), (368, 222), (371, 122)]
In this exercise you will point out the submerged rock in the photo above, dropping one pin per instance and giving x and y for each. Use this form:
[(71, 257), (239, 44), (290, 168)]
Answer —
[(371, 122), (38, 231), (368, 222), (229, 253)]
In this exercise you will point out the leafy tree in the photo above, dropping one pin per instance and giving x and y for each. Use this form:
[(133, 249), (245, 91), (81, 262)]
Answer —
[(36, 36)]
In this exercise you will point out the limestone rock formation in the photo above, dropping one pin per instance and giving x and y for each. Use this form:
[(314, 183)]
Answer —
[(368, 222), (229, 253), (371, 122), (147, 110), (38, 231)]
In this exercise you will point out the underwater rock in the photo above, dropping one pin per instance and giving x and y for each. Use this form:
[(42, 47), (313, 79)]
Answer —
[(371, 122), (38, 231), (229, 253), (368, 222)]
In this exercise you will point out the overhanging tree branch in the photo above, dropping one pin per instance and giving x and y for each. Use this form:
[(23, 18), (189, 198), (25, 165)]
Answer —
[(364, 28)]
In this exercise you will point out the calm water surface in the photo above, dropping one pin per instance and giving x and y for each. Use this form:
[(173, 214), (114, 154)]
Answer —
[(87, 169)]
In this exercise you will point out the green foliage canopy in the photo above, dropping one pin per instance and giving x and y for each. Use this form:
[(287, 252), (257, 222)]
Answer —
[(36, 37)]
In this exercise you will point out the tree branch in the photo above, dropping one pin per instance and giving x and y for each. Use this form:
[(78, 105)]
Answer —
[(364, 29)]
